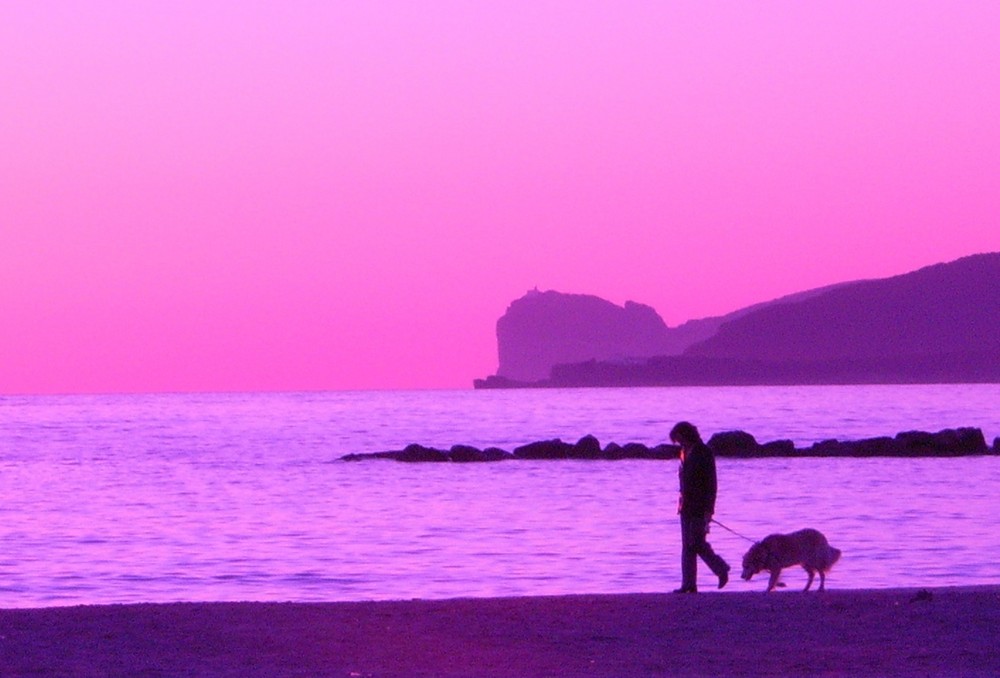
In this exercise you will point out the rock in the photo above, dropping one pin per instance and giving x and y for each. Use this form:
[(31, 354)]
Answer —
[(734, 444), (962, 441), (915, 443), (495, 454), (544, 449), (496, 381), (946, 443), (777, 448), (664, 451), (391, 454), (740, 444), (465, 453), (825, 448), (872, 447), (627, 451), (414, 452), (635, 451), (587, 447), (613, 451)]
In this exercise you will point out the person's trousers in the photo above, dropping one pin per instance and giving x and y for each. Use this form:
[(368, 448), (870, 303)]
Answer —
[(694, 530)]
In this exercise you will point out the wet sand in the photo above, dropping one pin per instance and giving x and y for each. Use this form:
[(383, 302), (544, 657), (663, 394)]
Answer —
[(898, 632)]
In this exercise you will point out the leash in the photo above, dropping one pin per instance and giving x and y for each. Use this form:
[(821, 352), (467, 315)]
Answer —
[(726, 527)]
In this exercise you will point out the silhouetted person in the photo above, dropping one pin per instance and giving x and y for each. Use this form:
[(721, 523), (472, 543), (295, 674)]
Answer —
[(698, 486)]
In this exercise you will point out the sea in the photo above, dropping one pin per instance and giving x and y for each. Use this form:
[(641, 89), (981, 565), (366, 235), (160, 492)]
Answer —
[(245, 496)]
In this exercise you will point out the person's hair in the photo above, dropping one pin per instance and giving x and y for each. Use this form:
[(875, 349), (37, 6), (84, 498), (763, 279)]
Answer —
[(685, 433)]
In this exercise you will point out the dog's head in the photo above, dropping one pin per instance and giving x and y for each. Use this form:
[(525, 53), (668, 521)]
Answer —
[(754, 561)]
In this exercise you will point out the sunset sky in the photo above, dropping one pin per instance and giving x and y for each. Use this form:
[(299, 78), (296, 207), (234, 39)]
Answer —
[(214, 196)]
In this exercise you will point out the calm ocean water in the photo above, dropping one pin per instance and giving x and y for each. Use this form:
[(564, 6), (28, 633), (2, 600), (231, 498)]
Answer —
[(109, 499)]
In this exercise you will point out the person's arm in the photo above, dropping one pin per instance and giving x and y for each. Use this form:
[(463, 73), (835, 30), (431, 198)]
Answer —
[(711, 488)]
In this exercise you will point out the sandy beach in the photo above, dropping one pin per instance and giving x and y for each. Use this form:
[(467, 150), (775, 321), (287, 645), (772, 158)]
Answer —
[(911, 632)]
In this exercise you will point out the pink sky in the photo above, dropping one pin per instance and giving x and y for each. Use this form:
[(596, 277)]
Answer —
[(206, 195)]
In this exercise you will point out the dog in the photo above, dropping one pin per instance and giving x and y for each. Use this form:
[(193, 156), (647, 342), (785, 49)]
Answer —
[(808, 548)]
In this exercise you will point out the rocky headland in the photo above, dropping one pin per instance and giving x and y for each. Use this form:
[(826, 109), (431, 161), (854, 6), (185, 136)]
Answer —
[(938, 324), (966, 441), (542, 329)]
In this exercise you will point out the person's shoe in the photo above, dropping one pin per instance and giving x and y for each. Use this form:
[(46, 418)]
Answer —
[(724, 577), (686, 589)]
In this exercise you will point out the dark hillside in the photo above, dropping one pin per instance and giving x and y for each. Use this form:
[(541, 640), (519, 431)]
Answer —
[(945, 309)]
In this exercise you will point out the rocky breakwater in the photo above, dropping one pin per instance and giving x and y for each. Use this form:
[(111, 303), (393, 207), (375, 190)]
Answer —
[(947, 443), (736, 444), (587, 447)]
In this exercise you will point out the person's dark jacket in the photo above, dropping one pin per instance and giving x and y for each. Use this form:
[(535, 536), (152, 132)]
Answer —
[(698, 482)]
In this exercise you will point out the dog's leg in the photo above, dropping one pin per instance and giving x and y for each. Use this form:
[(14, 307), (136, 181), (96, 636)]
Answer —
[(812, 573), (773, 581), (822, 581)]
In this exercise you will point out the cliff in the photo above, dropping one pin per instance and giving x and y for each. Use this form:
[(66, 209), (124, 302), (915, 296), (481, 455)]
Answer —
[(542, 329)]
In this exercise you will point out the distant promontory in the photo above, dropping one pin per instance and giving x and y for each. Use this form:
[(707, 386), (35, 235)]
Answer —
[(938, 324)]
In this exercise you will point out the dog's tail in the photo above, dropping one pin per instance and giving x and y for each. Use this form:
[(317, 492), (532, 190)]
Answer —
[(832, 556)]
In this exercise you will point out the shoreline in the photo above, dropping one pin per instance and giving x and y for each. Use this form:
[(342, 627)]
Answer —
[(905, 631)]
